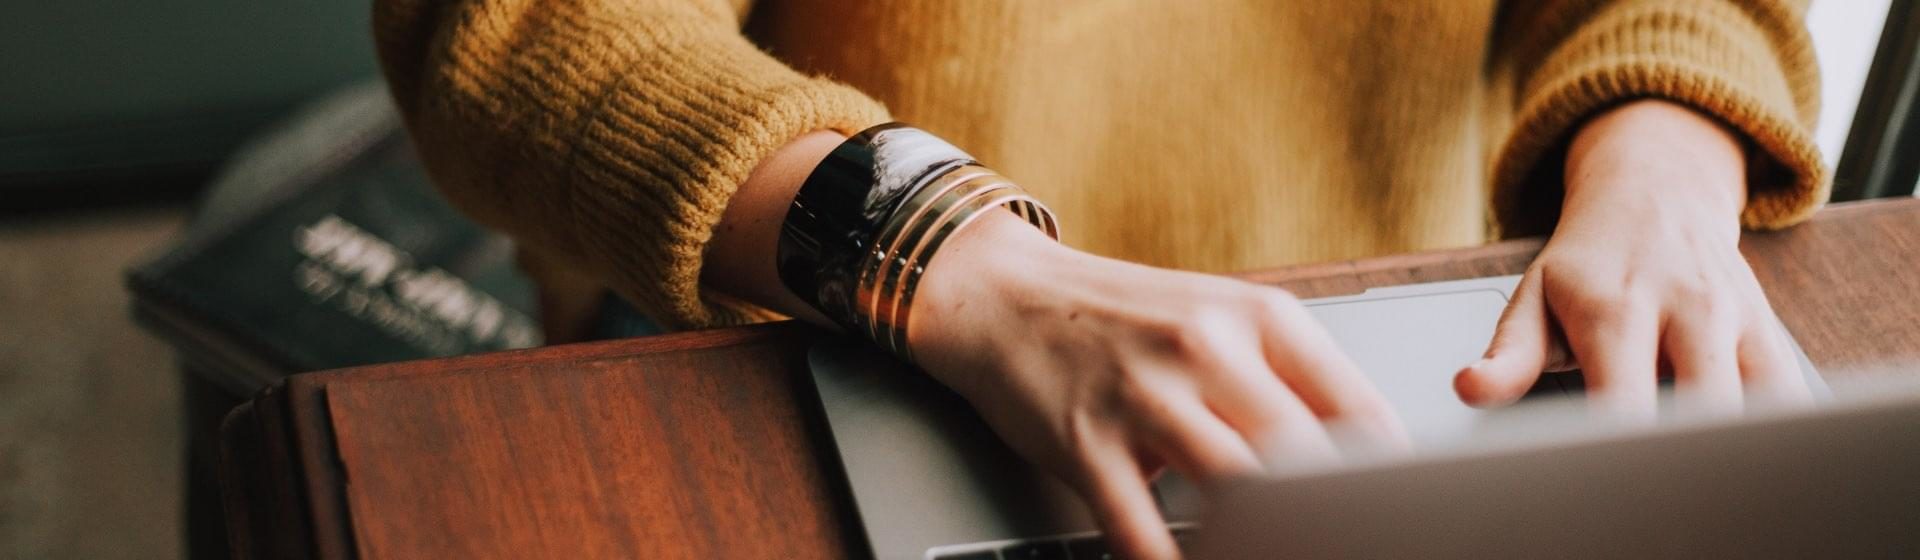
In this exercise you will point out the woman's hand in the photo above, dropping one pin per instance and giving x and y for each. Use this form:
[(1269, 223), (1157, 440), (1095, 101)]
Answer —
[(1098, 370), (1103, 371), (1644, 276)]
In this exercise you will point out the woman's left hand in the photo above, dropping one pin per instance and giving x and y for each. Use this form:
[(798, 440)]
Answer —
[(1643, 276)]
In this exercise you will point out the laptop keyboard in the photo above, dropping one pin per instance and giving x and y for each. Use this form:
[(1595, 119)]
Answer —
[(1071, 547)]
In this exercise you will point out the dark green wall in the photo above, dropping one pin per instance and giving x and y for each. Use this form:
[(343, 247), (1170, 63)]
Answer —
[(90, 85)]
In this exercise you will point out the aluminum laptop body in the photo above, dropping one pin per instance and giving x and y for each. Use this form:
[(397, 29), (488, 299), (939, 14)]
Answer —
[(1838, 481), (930, 480)]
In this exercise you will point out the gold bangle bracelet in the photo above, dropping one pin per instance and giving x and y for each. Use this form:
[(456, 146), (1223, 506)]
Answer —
[(891, 235), (877, 294), (963, 214), (887, 288), (859, 233)]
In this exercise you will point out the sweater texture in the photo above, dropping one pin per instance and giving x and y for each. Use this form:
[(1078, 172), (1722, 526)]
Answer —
[(1211, 135)]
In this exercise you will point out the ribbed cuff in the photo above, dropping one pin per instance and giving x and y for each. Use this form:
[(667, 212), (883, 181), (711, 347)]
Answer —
[(653, 147), (1750, 68), (606, 135), (683, 160)]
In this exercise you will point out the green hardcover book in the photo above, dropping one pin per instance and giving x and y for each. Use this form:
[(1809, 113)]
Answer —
[(325, 246)]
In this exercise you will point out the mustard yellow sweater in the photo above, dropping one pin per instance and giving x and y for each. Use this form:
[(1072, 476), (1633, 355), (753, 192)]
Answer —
[(1214, 135)]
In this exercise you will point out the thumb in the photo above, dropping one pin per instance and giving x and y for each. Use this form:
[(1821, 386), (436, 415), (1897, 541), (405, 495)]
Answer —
[(1518, 353)]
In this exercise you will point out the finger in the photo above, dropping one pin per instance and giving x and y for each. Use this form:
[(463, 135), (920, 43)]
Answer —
[(1196, 441), (1706, 368), (1616, 349), (1769, 366), (1265, 413), (1329, 384), (1281, 433), (1524, 345), (1122, 503)]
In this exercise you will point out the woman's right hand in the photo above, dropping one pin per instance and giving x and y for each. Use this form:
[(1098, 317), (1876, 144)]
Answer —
[(1098, 370), (1103, 371)]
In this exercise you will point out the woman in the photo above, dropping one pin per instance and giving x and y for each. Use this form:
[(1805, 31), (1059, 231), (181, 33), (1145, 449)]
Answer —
[(652, 147)]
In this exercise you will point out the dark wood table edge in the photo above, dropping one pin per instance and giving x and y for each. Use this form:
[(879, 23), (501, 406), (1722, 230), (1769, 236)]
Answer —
[(284, 436)]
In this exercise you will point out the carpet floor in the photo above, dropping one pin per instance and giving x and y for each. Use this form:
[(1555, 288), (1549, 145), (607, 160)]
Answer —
[(90, 421)]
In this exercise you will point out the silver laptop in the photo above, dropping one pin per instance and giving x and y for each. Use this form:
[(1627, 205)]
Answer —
[(1838, 481), (930, 480)]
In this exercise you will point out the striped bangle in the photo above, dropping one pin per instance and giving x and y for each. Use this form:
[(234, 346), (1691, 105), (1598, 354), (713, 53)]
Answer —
[(867, 222)]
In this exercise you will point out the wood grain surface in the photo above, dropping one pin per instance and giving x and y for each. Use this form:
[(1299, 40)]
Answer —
[(593, 460), (709, 445)]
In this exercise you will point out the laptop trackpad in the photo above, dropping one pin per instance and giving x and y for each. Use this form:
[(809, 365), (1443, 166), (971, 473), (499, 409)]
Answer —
[(1411, 346), (1411, 340)]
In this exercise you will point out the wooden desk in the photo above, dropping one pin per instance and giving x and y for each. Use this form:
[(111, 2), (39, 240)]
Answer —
[(706, 445)]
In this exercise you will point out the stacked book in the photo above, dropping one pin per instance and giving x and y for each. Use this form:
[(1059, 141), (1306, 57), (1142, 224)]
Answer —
[(323, 246)]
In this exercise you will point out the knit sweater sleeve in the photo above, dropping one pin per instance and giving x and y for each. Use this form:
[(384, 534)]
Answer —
[(607, 133), (1747, 63)]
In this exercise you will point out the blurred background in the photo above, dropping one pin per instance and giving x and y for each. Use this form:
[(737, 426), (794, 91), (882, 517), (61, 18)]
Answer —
[(114, 115), (100, 95), (138, 139)]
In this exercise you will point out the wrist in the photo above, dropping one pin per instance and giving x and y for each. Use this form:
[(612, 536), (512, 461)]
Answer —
[(1652, 160), (998, 258), (869, 220)]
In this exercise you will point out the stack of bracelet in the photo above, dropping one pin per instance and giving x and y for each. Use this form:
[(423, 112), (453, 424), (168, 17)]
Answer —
[(870, 218)]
